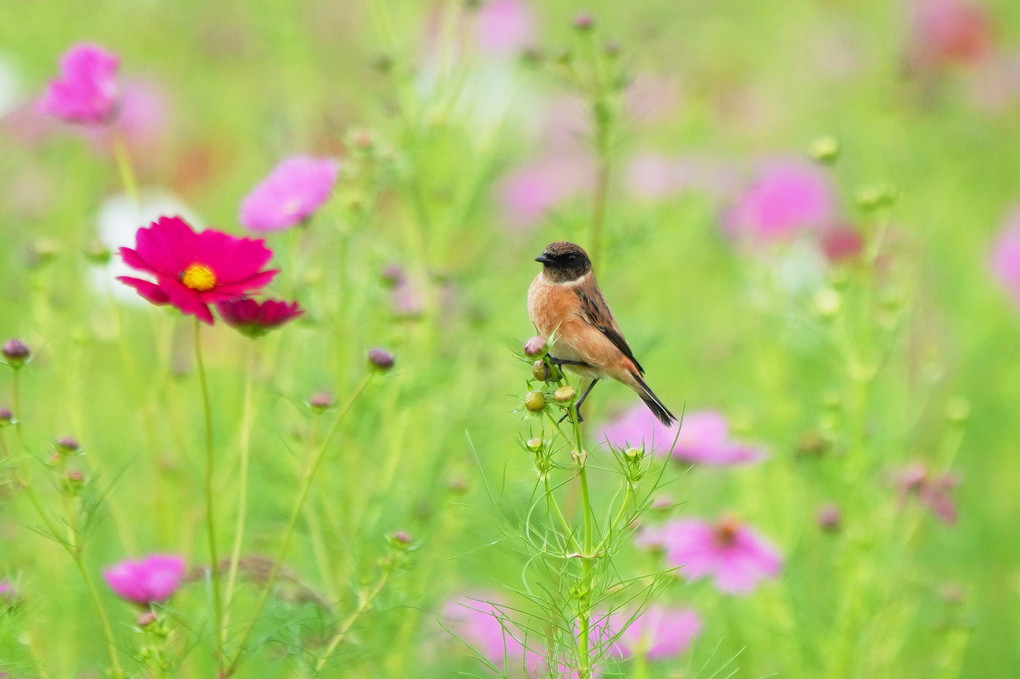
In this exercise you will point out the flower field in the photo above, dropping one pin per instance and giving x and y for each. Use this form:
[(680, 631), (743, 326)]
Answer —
[(272, 405)]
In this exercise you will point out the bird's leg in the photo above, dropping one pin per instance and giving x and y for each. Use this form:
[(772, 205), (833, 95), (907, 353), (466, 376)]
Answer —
[(564, 361), (577, 406)]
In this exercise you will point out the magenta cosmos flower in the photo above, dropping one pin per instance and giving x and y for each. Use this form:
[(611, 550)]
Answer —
[(253, 318), (729, 552), (703, 437), (292, 192), (658, 633), (146, 581), (86, 91), (486, 627), (192, 270), (1005, 260), (785, 198)]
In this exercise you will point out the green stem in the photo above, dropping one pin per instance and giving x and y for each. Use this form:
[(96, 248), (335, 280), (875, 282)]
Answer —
[(16, 400), (210, 517), (584, 611), (104, 621), (242, 501), (126, 170), (364, 601), (306, 483)]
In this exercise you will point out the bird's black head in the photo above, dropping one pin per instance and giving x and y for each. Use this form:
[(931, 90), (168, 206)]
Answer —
[(564, 261)]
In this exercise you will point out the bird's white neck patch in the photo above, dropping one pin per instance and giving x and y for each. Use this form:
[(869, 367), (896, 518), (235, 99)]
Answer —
[(580, 280)]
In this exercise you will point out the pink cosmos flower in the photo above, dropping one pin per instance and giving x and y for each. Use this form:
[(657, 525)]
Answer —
[(531, 191), (934, 491), (486, 627), (253, 318), (658, 633), (146, 581), (193, 270), (143, 123), (86, 91), (1005, 259), (785, 198), (945, 32), (703, 437), (292, 192), (505, 27), (729, 552)]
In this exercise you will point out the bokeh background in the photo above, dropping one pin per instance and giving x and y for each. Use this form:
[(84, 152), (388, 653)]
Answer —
[(466, 146)]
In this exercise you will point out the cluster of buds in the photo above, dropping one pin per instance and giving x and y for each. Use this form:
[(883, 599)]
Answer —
[(398, 558), (70, 481)]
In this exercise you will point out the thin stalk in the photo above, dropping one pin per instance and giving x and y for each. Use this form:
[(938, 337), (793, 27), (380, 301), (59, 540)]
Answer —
[(210, 518), (584, 612), (364, 601), (242, 500), (126, 170), (104, 621), (306, 483), (16, 400)]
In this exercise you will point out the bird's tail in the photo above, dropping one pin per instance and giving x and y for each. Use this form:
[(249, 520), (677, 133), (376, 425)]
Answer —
[(652, 401)]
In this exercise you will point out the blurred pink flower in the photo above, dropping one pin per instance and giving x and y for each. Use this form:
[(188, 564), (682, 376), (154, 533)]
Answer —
[(142, 123), (531, 191), (786, 197), (484, 625), (505, 27), (651, 99), (1005, 259), (935, 492), (945, 32), (149, 580), (658, 633), (731, 553), (703, 437), (292, 192), (86, 91)]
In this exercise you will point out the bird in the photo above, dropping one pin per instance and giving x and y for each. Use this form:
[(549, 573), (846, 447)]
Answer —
[(566, 306)]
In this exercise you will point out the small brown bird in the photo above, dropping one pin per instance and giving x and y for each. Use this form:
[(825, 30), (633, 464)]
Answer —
[(566, 306)]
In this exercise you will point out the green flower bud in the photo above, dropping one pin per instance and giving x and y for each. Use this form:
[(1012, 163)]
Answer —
[(825, 149), (565, 394), (540, 370), (534, 401)]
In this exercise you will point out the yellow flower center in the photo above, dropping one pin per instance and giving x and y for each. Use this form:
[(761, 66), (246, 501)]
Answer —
[(199, 277)]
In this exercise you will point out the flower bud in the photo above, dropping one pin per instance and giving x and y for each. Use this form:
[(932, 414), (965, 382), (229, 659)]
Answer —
[(825, 149), (534, 401), (565, 394), (634, 454), (535, 445), (540, 370), (147, 618), (6, 417), (584, 22), (97, 253), (873, 197), (321, 401), (67, 445), (15, 352), (579, 458), (401, 540), (381, 360), (829, 518), (534, 346), (72, 483)]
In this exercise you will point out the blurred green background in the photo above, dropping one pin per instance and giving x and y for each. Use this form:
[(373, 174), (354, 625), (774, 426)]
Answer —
[(246, 84)]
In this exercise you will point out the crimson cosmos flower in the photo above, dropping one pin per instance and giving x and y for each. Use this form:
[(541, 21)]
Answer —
[(253, 318), (193, 270), (151, 579)]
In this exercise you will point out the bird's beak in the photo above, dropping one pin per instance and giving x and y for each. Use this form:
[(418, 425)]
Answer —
[(544, 258)]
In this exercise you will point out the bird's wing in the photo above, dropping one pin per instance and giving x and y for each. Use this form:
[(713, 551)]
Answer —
[(594, 310)]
